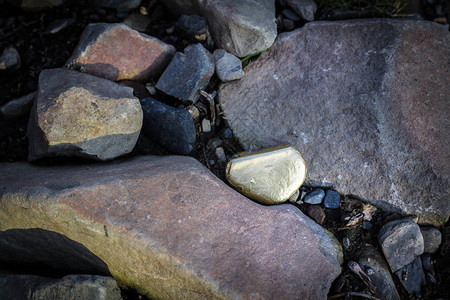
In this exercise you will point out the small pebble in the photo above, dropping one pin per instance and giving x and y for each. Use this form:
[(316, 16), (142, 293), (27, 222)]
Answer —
[(212, 162), (227, 133), (228, 66), (366, 225), (317, 213), (426, 262), (151, 89), (332, 199), (432, 239), (10, 60), (315, 197), (214, 143), (294, 196), (288, 24), (206, 125), (346, 242), (220, 154), (430, 278), (290, 14)]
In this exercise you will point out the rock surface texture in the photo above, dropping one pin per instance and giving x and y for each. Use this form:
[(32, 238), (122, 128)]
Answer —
[(77, 114), (169, 228), (365, 119), (117, 52), (86, 287), (241, 27)]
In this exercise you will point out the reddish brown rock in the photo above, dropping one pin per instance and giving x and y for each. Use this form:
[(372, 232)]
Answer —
[(371, 120), (169, 228), (117, 52)]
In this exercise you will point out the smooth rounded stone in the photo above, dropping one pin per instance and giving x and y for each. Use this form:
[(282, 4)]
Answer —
[(191, 26), (306, 9), (290, 14), (317, 213), (173, 128), (206, 125), (332, 199), (241, 27), (117, 52), (288, 24), (412, 277), (394, 139), (19, 107), (137, 22), (375, 267), (10, 60), (166, 227), (220, 155), (432, 239), (315, 197), (270, 175), (86, 287), (77, 114), (187, 73), (401, 241), (228, 66)]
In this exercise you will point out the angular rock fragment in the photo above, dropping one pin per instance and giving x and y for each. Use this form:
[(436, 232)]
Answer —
[(117, 52), (10, 60), (241, 27), (316, 212), (171, 127), (19, 107), (304, 8), (412, 277), (374, 266), (228, 66), (269, 176), (167, 227), (87, 287), (367, 122), (401, 242), (77, 114), (187, 73), (432, 239)]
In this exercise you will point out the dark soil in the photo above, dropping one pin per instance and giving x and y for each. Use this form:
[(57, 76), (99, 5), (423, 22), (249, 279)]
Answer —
[(39, 50)]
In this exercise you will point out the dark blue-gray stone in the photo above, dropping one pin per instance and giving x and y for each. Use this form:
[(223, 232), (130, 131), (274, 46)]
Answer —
[(227, 133), (187, 73), (412, 277), (171, 127), (332, 199)]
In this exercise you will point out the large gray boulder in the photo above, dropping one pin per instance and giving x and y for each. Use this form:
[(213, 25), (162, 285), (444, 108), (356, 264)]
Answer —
[(77, 114), (365, 101), (165, 226)]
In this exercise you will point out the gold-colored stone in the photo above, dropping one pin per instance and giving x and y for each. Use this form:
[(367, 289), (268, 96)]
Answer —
[(269, 176)]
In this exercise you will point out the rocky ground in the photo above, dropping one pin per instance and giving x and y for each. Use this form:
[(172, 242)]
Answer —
[(47, 39)]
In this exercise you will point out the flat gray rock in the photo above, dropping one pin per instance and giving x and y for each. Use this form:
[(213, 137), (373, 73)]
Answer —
[(228, 66), (77, 114), (370, 121), (165, 226)]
